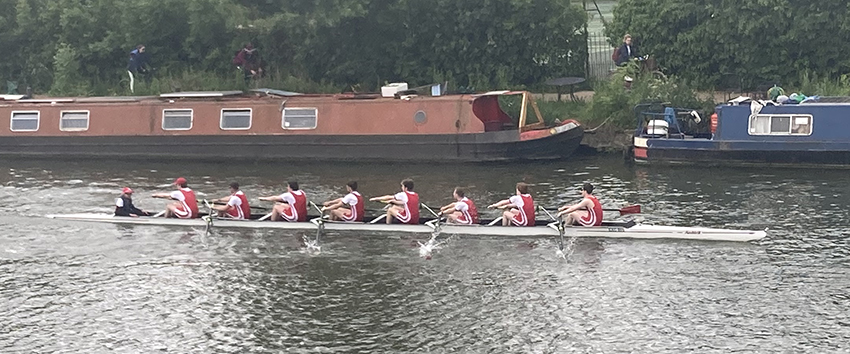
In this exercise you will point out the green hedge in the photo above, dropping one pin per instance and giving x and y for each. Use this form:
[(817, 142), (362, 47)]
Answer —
[(74, 47), (719, 43)]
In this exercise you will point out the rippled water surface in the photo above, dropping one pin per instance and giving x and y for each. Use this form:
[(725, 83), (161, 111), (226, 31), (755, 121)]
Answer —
[(80, 287)]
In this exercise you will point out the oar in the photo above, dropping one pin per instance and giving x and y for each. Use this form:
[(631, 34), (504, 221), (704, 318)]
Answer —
[(378, 219), (209, 218), (267, 215), (631, 209), (381, 217), (159, 214), (560, 228), (496, 221), (321, 223), (252, 206), (438, 226)]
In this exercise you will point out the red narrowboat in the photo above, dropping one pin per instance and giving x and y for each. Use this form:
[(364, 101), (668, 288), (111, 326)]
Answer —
[(279, 125)]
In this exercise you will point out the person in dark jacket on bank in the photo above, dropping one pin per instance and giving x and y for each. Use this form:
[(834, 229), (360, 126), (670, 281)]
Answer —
[(626, 52), (124, 205), (139, 65), (247, 60)]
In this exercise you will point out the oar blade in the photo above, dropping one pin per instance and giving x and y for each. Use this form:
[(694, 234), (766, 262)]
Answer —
[(631, 209)]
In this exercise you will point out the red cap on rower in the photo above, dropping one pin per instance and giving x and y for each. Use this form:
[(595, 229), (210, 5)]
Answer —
[(180, 181), (127, 190)]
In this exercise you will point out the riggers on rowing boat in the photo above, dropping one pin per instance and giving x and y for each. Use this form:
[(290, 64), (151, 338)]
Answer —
[(608, 230)]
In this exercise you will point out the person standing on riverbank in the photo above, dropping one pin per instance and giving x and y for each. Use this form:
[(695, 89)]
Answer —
[(626, 51), (587, 212), (186, 205), (349, 208), (520, 207), (124, 205), (247, 60), (138, 64), (404, 205), (293, 205)]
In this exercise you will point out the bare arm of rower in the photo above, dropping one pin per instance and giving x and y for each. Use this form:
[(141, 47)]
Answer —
[(383, 199), (162, 196), (332, 202), (389, 199), (502, 204), (446, 208), (275, 198), (574, 207), (338, 203)]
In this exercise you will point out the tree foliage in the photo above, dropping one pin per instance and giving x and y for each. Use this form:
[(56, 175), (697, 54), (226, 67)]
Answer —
[(755, 41), (613, 102), (486, 44)]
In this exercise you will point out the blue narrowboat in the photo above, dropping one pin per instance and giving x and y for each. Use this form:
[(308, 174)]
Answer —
[(809, 134)]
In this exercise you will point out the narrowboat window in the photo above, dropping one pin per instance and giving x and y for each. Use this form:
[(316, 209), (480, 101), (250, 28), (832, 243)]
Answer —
[(177, 119), (759, 125), (802, 125), (232, 119), (25, 121), (74, 121), (300, 118), (781, 125)]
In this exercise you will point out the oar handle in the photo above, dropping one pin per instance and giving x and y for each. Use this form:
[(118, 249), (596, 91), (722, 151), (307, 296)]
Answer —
[(252, 206), (547, 213), (317, 208), (429, 210), (631, 209)]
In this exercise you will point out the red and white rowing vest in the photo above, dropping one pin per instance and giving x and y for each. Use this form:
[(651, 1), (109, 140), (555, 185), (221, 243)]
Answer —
[(189, 201), (297, 205), (356, 205), (594, 215), (469, 213), (410, 214), (525, 204), (242, 210)]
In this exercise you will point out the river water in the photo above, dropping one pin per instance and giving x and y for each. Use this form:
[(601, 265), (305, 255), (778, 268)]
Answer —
[(78, 287)]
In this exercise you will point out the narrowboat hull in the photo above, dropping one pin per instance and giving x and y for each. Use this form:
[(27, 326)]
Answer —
[(741, 153), (484, 147)]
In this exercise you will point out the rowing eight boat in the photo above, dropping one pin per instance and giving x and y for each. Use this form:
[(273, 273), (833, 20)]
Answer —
[(615, 229)]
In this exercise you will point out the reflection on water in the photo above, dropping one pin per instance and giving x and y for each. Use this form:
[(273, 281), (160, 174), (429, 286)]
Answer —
[(76, 287)]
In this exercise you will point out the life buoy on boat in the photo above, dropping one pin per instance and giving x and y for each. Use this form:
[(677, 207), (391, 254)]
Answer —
[(714, 123)]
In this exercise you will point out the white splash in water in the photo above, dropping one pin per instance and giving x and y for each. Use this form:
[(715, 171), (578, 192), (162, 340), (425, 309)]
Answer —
[(427, 249), (312, 245)]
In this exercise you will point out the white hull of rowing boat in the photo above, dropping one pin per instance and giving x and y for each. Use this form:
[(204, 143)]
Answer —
[(637, 231)]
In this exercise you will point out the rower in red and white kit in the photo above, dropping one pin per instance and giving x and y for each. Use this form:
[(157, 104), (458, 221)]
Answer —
[(462, 211), (520, 208), (294, 207), (186, 205), (405, 204), (588, 212), (349, 208), (236, 205)]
